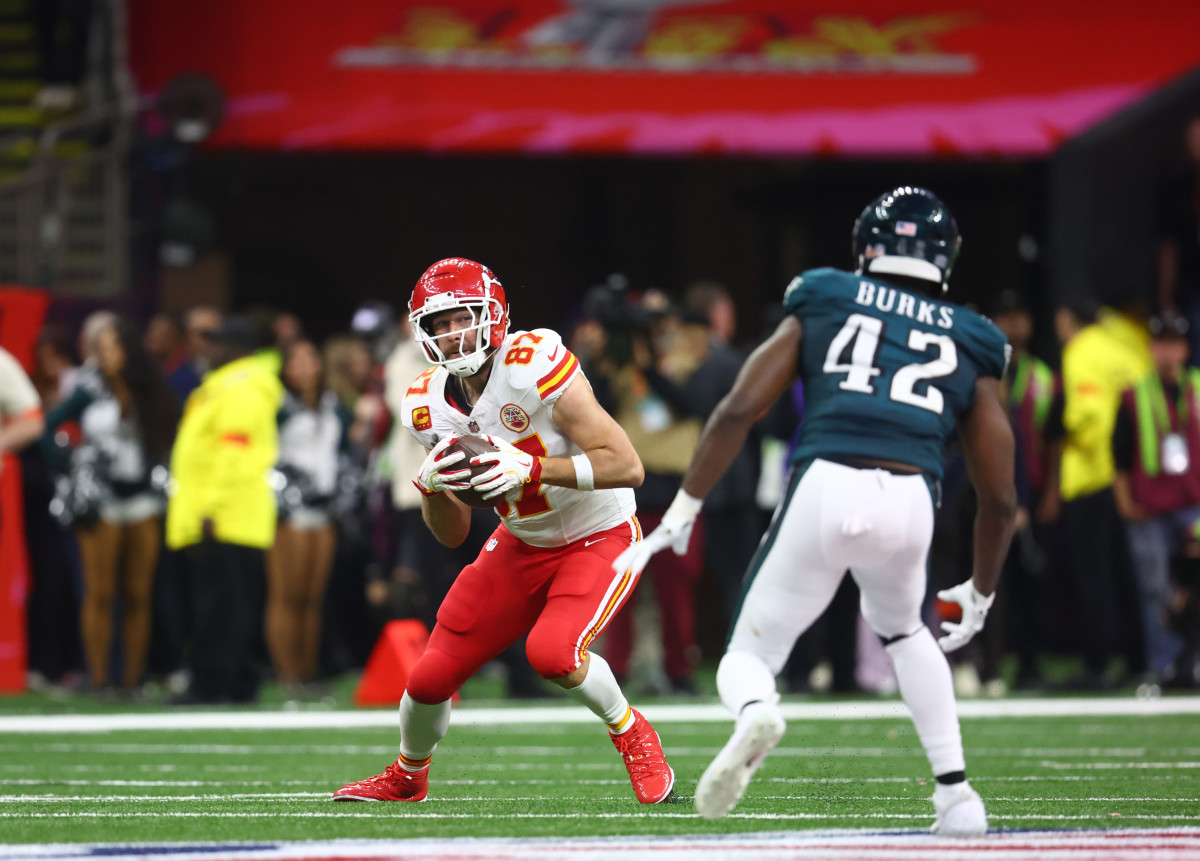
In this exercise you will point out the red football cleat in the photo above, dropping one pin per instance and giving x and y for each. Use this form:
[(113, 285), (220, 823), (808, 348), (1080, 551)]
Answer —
[(395, 784), (642, 751)]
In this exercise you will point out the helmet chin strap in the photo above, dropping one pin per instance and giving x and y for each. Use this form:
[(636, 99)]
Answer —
[(468, 366)]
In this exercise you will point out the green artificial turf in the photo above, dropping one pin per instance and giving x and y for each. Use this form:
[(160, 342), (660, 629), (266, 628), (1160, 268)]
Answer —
[(566, 780)]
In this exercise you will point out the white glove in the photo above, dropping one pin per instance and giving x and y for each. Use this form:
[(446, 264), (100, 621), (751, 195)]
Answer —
[(975, 607), (675, 531), (513, 469), (432, 480)]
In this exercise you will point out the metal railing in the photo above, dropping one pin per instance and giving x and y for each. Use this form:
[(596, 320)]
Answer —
[(64, 217)]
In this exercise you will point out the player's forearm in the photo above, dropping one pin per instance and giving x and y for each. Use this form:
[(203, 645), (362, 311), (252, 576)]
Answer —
[(22, 433), (722, 440), (610, 468), (994, 526), (447, 518)]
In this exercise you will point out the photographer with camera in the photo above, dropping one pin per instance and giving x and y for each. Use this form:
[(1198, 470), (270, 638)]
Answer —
[(661, 372)]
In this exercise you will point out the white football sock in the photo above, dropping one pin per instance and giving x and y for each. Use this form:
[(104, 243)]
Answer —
[(744, 677), (421, 728), (928, 690), (600, 692)]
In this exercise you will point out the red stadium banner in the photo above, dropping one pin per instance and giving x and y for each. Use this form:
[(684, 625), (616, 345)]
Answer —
[(864, 77)]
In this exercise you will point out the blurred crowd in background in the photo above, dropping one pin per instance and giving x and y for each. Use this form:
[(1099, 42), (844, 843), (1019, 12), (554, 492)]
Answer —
[(135, 594), (147, 423)]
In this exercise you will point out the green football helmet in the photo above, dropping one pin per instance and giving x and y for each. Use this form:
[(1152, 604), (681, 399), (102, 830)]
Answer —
[(908, 232)]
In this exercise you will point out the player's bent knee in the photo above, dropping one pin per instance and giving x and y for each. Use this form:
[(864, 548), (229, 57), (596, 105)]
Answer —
[(551, 657), (888, 623), (434, 679)]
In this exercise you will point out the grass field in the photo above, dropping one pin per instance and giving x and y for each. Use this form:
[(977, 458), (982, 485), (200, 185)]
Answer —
[(539, 777)]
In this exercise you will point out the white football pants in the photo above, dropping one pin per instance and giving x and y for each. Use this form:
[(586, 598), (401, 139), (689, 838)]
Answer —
[(879, 526)]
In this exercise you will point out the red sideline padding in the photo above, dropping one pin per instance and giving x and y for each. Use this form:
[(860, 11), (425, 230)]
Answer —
[(14, 578), (391, 662), (22, 311)]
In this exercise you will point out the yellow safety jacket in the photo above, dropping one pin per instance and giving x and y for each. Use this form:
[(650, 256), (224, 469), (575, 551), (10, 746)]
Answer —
[(1098, 364), (228, 441)]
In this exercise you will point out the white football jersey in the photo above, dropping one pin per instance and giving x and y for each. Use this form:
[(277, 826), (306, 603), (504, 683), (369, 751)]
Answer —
[(530, 372)]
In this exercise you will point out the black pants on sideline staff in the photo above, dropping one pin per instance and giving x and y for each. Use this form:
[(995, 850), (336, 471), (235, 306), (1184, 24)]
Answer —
[(227, 610), (1102, 579)]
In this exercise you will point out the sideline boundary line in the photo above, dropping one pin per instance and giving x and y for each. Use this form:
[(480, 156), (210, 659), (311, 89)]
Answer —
[(570, 714), (1160, 844)]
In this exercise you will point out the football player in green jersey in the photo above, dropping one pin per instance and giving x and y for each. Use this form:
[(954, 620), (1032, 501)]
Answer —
[(890, 369)]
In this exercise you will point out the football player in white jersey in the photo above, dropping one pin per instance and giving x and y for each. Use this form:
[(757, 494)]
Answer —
[(562, 482)]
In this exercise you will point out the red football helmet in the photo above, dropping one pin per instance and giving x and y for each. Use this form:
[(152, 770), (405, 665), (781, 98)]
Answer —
[(460, 283)]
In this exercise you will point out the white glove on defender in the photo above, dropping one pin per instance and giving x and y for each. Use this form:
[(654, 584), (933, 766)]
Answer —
[(513, 468), (675, 531), (432, 480), (975, 608)]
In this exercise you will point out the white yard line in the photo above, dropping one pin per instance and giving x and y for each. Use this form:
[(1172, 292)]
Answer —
[(537, 715), (422, 812)]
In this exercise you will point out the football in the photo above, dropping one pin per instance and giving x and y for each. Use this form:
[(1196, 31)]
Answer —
[(472, 446)]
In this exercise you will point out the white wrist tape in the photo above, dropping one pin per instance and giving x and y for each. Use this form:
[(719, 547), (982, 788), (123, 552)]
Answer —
[(584, 477), (684, 506)]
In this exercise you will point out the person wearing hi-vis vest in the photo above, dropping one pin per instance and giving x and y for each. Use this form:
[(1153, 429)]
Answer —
[(1156, 448), (1034, 400)]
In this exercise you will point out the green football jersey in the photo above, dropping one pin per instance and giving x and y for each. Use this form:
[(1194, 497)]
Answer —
[(887, 372)]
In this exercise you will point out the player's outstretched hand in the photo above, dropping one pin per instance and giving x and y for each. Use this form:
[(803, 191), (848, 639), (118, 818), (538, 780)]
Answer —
[(675, 531), (975, 606), (432, 479), (513, 469)]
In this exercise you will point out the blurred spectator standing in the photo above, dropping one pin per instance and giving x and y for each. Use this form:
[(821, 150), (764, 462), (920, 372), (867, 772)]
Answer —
[(312, 433), (182, 369), (222, 509), (713, 303), (348, 368), (653, 408), (1156, 447), (732, 521), (54, 597), (92, 324), (1179, 238), (405, 585), (1104, 353), (165, 342), (127, 416), (197, 323), (55, 365), (1033, 396)]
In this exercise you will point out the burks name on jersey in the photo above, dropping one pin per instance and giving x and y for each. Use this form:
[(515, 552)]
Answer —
[(529, 373), (892, 300)]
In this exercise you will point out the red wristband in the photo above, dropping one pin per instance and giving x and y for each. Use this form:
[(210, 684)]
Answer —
[(424, 492), (535, 474)]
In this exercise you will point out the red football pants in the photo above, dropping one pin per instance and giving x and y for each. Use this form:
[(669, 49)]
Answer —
[(675, 580), (562, 596)]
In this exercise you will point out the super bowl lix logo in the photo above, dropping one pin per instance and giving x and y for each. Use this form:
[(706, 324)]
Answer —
[(514, 418)]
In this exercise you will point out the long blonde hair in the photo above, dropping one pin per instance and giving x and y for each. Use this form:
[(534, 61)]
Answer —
[(340, 377)]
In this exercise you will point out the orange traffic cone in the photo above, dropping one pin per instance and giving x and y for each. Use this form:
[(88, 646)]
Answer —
[(391, 661)]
